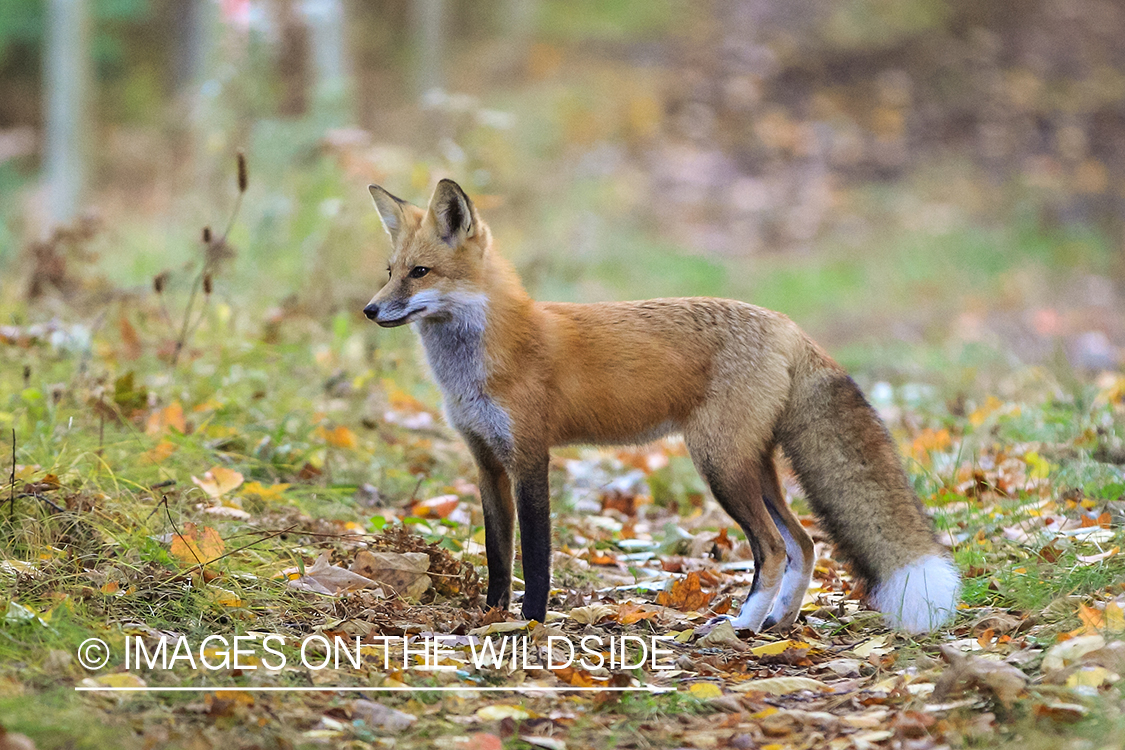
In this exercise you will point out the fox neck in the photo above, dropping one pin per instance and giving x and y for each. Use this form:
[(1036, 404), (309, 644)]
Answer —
[(462, 346)]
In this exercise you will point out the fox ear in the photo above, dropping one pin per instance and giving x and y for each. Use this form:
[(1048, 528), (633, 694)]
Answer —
[(453, 214), (391, 210)]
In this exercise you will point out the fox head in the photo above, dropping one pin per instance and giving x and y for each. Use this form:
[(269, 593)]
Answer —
[(436, 258)]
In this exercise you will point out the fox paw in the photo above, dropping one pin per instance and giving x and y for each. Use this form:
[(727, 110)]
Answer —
[(719, 619)]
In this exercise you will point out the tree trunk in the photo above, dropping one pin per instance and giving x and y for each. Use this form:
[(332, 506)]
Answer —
[(332, 86), (428, 17), (67, 82)]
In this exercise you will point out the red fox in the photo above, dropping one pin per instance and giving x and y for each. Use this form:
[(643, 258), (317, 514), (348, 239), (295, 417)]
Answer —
[(737, 381)]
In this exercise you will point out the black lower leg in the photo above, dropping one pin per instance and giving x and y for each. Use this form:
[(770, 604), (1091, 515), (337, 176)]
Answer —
[(534, 508)]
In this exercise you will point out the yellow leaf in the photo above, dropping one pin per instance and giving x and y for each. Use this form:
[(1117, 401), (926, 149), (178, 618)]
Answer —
[(117, 680), (1037, 466), (1091, 677), (224, 597), (777, 647), (208, 405), (991, 404), (219, 481), (1114, 617), (197, 548), (780, 685), (705, 690), (269, 494), (876, 646)]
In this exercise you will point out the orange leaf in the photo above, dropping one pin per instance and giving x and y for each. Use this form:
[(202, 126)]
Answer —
[(195, 548), (162, 451), (686, 595), (437, 507), (576, 677), (599, 558), (170, 416), (129, 338), (338, 437), (629, 613)]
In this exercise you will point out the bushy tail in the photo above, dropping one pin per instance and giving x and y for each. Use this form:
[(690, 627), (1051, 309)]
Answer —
[(853, 477)]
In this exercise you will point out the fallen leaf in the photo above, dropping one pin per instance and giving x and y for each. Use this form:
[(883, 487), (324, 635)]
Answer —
[(115, 680), (1062, 655), (323, 578), (592, 614), (161, 452), (500, 711), (1091, 559), (218, 481), (403, 573), (483, 741), (1001, 679), (705, 690), (196, 547), (437, 507), (722, 635), (1059, 711), (629, 613), (500, 627), (170, 416), (777, 647), (844, 667), (780, 685), (262, 492), (1091, 677), (876, 646), (686, 595), (338, 437), (550, 743), (377, 716)]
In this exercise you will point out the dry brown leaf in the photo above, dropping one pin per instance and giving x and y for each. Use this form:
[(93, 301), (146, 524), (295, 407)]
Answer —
[(592, 614), (403, 573), (1003, 680), (323, 578)]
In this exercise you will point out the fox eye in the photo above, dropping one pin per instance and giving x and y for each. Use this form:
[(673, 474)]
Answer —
[(418, 272)]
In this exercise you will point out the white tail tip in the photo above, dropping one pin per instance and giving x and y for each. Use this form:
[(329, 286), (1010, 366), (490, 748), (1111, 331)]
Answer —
[(919, 597)]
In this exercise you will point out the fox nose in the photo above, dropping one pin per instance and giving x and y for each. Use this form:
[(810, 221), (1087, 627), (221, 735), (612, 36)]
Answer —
[(371, 311)]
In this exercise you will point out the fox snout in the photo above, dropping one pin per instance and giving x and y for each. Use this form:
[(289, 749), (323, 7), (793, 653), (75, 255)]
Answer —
[(390, 313)]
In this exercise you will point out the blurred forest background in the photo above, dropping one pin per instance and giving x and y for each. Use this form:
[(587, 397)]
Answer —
[(919, 183)]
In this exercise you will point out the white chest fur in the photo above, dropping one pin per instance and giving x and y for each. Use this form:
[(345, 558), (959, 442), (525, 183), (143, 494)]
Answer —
[(455, 351)]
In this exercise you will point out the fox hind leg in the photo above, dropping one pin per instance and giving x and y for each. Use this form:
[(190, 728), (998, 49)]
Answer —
[(739, 492), (800, 556)]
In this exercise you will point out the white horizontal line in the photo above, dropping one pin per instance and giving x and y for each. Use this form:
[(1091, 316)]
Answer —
[(405, 689)]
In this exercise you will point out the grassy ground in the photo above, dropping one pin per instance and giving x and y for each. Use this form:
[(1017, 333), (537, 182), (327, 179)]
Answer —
[(157, 499)]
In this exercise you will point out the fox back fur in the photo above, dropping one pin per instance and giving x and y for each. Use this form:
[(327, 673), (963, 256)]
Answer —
[(737, 381)]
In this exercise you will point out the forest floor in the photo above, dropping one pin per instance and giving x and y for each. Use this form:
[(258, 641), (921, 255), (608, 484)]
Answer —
[(291, 476)]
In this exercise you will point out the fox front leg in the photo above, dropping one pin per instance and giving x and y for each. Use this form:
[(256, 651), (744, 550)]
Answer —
[(499, 521), (533, 504)]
